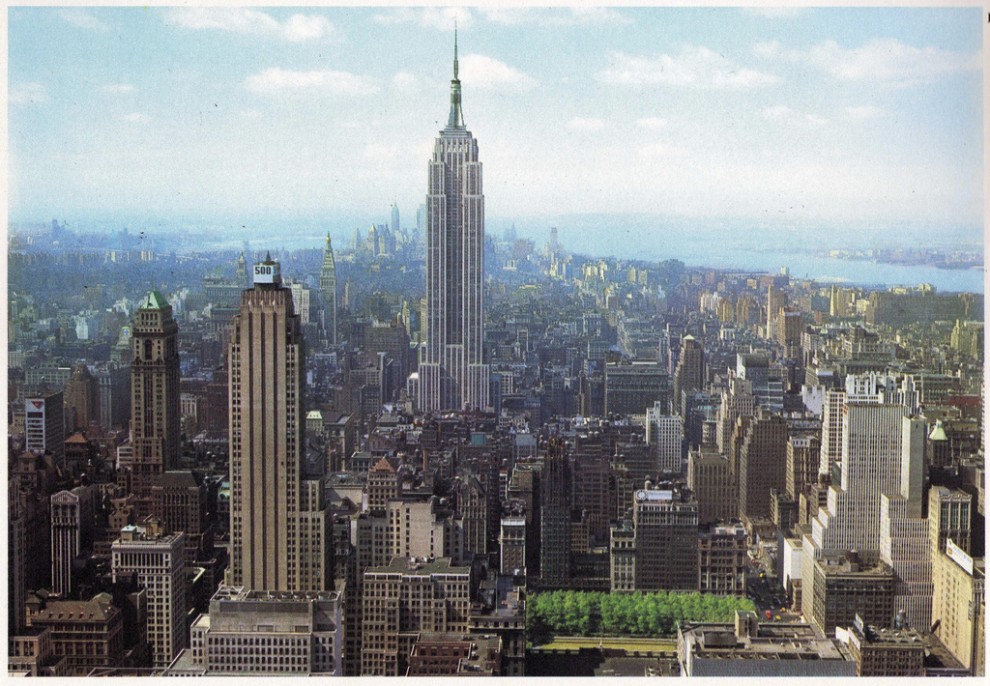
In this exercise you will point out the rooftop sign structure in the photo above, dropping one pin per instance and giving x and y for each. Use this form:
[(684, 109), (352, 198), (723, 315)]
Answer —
[(267, 272)]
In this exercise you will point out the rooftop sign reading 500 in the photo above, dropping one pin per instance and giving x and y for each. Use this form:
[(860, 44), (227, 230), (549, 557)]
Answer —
[(267, 273)]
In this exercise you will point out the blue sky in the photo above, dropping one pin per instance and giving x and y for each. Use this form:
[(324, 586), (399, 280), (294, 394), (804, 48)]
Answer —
[(822, 116)]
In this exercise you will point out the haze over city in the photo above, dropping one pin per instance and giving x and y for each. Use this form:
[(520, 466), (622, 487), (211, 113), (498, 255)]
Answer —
[(568, 342), (822, 121)]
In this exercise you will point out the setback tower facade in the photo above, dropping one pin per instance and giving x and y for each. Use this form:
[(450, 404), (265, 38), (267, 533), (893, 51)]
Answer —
[(278, 521), (452, 373), (155, 428)]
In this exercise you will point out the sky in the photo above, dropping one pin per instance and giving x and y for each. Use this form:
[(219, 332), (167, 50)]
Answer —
[(823, 116)]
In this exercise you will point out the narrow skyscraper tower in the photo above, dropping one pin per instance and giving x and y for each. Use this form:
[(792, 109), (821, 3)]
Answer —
[(278, 523), (328, 289), (452, 373), (155, 429)]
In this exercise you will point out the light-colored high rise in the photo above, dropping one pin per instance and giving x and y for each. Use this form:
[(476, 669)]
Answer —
[(44, 425), (155, 429), (328, 289), (665, 436), (278, 523), (452, 373), (877, 442), (72, 525), (160, 564)]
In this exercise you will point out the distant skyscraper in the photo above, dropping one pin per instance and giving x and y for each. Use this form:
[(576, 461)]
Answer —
[(555, 517), (452, 372), (689, 374), (81, 403), (328, 288), (44, 425), (277, 535), (395, 218), (155, 429)]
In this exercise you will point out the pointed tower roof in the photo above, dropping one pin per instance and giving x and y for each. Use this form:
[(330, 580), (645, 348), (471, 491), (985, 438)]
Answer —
[(938, 433), (456, 119), (383, 465), (154, 301)]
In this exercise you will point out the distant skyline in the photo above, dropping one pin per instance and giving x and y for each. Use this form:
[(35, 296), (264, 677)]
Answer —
[(805, 117)]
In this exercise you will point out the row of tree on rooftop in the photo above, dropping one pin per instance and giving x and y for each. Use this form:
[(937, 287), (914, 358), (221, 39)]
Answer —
[(586, 613)]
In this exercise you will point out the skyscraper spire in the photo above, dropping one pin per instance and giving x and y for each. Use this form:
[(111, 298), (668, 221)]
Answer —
[(456, 116)]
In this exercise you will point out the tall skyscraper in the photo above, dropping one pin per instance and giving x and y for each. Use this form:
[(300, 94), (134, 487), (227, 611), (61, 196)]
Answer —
[(278, 524), (81, 403), (555, 517), (689, 374), (328, 289), (452, 373), (72, 531), (155, 429)]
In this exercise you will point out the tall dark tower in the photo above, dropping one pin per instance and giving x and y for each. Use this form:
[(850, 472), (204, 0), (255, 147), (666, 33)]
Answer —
[(555, 517), (690, 372), (155, 430), (452, 373), (328, 288)]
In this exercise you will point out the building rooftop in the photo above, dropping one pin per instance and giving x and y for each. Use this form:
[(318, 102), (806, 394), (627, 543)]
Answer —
[(154, 301), (76, 610), (419, 566)]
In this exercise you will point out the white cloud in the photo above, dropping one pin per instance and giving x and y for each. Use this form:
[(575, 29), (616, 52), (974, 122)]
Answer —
[(485, 73), (277, 80), (881, 61), (890, 61), (136, 118), (28, 93), (694, 67), (117, 88), (407, 83), (380, 152), (862, 112), (652, 123), (250, 114), (298, 28), (428, 17), (584, 125), (768, 49), (778, 112), (659, 149), (82, 19), (785, 115)]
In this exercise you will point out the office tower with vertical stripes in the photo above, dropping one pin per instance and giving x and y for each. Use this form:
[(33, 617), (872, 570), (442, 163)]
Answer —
[(278, 521), (452, 373)]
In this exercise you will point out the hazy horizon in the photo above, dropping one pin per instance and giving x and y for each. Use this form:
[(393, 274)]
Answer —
[(834, 121)]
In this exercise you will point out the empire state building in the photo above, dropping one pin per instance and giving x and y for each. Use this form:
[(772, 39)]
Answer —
[(452, 373)]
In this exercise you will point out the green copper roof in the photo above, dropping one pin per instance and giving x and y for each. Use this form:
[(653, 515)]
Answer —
[(154, 301)]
